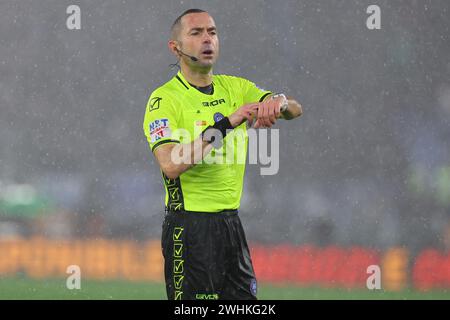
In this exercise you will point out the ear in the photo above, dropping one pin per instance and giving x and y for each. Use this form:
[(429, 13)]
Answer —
[(173, 47)]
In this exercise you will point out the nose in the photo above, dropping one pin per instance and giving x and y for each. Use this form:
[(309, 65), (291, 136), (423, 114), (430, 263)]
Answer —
[(207, 38)]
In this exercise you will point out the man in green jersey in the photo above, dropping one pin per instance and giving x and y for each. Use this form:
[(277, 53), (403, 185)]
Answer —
[(196, 127)]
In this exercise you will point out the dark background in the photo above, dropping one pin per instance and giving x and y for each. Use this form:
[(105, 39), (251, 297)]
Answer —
[(368, 163)]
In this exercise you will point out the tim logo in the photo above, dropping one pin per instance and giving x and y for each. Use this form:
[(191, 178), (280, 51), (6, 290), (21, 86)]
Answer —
[(213, 103)]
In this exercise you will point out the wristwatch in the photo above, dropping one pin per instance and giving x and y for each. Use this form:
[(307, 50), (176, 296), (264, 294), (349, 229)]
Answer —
[(285, 104)]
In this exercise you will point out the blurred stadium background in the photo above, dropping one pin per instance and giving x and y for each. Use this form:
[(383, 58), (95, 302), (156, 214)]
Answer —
[(364, 175)]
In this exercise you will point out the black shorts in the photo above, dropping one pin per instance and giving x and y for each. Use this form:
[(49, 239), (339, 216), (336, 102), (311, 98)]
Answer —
[(207, 257)]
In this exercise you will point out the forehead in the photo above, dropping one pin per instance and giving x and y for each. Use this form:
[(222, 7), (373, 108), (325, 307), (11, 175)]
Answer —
[(197, 20)]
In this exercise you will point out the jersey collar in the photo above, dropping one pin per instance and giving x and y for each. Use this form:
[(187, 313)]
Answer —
[(185, 83)]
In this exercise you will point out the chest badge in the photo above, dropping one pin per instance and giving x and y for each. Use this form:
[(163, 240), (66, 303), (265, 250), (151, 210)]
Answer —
[(218, 116)]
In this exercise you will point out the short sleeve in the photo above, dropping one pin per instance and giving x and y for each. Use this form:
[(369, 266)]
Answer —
[(252, 93), (160, 120)]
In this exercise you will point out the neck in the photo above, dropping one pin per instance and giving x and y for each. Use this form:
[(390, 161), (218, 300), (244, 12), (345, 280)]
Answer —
[(197, 77)]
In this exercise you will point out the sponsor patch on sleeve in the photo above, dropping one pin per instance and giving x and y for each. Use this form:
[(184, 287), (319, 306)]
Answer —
[(159, 129)]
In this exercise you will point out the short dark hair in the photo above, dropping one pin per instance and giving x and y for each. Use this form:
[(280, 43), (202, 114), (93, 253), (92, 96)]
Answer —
[(177, 21)]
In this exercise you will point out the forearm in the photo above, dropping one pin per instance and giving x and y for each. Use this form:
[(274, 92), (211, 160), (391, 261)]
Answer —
[(192, 153), (178, 158), (185, 155)]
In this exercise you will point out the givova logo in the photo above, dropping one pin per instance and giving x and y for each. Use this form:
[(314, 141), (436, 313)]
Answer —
[(206, 296)]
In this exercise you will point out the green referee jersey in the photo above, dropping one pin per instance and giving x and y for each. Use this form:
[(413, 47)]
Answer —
[(177, 113)]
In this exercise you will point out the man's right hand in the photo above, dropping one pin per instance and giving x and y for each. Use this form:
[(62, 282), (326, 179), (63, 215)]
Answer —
[(246, 112)]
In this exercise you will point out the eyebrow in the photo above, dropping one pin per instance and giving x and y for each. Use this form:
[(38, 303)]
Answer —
[(201, 29)]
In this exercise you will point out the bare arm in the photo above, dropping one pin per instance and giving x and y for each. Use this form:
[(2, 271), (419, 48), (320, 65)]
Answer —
[(174, 159)]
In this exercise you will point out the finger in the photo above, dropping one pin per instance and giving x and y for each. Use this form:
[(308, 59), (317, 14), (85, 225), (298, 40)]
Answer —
[(278, 107), (249, 116), (254, 111), (261, 113), (251, 107), (266, 118), (250, 122), (271, 112), (245, 117)]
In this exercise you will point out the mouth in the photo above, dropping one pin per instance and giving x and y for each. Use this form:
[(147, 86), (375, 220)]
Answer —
[(208, 52)]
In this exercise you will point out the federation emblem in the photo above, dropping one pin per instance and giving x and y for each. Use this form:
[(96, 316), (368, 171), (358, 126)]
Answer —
[(218, 116), (154, 104)]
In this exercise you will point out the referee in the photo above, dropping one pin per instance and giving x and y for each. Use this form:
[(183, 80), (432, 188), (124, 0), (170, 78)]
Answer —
[(186, 121)]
